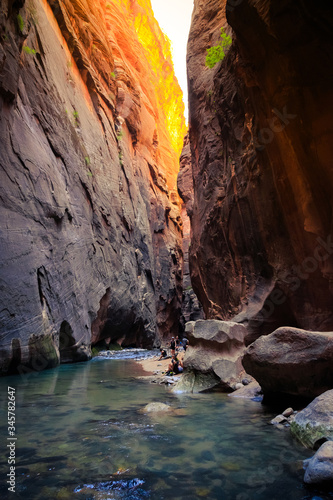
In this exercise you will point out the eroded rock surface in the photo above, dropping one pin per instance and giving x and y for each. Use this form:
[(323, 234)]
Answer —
[(215, 349), (292, 361), (262, 142), (91, 123)]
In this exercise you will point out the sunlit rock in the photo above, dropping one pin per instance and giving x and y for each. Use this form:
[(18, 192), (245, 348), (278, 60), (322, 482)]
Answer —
[(91, 130)]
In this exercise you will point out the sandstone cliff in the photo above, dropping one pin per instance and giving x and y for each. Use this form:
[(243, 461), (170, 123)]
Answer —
[(262, 145), (191, 307), (90, 130)]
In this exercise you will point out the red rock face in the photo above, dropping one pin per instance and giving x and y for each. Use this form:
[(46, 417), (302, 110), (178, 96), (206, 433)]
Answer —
[(261, 142), (91, 240)]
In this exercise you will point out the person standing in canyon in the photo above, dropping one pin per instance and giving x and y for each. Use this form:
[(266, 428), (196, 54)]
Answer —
[(173, 346)]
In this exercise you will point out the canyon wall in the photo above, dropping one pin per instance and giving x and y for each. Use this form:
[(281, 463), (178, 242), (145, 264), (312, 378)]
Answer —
[(191, 307), (91, 128), (261, 139)]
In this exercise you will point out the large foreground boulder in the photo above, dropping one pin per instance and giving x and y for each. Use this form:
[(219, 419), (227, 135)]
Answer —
[(292, 361), (319, 469), (314, 425), (214, 355)]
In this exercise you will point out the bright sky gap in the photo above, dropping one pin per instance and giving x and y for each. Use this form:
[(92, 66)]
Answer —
[(174, 17)]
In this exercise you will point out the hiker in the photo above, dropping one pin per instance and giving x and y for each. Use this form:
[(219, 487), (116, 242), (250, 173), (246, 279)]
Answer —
[(185, 343), (163, 354), (175, 366), (180, 366), (173, 346)]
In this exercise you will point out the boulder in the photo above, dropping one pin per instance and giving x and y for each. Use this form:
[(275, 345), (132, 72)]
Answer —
[(319, 469), (314, 424), (279, 419), (250, 391), (196, 382), (292, 361), (288, 412), (215, 348)]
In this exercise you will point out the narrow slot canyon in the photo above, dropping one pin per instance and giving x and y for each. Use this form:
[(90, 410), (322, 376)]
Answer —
[(150, 197)]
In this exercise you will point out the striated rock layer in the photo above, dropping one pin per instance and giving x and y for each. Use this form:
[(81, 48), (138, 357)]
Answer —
[(191, 307), (213, 357), (91, 122), (261, 140)]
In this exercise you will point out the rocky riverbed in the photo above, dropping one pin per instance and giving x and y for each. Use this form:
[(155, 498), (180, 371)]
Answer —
[(214, 361)]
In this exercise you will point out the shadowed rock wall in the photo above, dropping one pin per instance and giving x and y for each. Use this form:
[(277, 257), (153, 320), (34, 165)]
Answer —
[(89, 145), (191, 307), (261, 141)]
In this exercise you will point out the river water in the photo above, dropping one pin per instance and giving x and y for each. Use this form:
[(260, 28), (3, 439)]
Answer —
[(81, 435)]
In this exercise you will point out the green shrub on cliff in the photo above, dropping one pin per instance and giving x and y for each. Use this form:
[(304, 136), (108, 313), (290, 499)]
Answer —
[(20, 23), (76, 118), (217, 53), (28, 50)]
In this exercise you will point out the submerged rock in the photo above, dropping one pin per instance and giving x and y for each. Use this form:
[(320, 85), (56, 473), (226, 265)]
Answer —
[(156, 408), (292, 361), (314, 424), (161, 409), (319, 469)]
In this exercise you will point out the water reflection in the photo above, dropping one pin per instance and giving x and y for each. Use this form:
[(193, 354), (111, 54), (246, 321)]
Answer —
[(81, 436)]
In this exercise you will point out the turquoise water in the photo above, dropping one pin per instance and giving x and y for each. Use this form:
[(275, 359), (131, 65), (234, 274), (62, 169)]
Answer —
[(80, 435)]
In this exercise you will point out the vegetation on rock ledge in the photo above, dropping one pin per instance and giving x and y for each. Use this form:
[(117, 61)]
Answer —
[(217, 53)]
